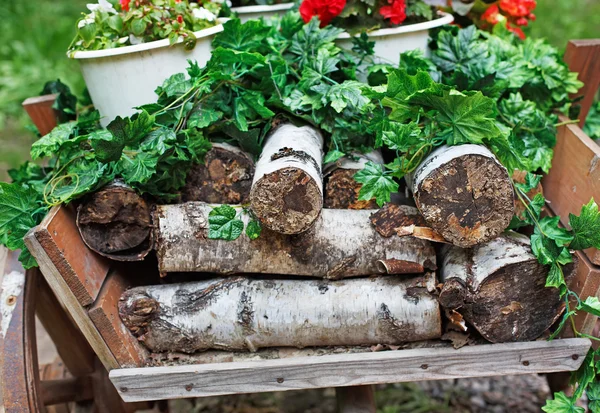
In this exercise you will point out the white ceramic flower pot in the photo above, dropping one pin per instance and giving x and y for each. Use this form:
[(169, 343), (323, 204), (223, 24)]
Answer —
[(122, 78), (389, 43), (246, 13)]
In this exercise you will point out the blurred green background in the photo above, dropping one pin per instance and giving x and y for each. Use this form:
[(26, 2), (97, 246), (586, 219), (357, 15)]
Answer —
[(36, 34)]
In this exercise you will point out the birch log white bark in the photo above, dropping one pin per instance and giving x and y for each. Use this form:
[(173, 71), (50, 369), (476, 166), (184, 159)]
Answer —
[(499, 288), (464, 193), (342, 243), (245, 314), (287, 190)]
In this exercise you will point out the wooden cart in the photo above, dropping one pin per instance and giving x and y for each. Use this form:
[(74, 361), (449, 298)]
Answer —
[(76, 293)]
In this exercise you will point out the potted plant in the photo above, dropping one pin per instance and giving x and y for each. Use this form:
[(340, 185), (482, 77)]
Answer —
[(396, 26), (127, 50), (255, 9)]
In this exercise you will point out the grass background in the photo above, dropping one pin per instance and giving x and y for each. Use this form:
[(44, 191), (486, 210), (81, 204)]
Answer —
[(37, 33)]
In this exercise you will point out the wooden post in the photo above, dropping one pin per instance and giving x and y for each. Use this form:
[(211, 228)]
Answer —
[(583, 57), (39, 109), (356, 399)]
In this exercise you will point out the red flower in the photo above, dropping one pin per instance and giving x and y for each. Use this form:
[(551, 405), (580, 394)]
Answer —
[(518, 8), (125, 4), (491, 15), (515, 30), (396, 12), (180, 19), (325, 10)]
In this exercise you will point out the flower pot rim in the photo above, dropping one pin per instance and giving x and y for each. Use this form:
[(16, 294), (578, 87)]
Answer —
[(445, 18), (157, 44), (262, 9)]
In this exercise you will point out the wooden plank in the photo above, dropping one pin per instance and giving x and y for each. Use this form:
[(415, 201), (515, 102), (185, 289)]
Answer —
[(83, 270), (355, 399), (574, 177), (586, 283), (104, 313), (39, 109), (583, 57), (155, 383), (71, 345), (68, 300)]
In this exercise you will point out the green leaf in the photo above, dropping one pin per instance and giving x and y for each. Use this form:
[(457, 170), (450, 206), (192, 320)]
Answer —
[(561, 404), (584, 375), (555, 277), (129, 131), (51, 143), (593, 394), (204, 117), (586, 227), (531, 182), (376, 184), (138, 27), (590, 305), (333, 155), (19, 212), (346, 95), (550, 227), (223, 223), (546, 250), (249, 36), (402, 137), (107, 147), (176, 85), (137, 168), (223, 56), (459, 52), (470, 118), (83, 175), (115, 22), (88, 33), (253, 229)]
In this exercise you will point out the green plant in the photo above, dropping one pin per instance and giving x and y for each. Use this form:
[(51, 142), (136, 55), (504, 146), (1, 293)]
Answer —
[(140, 21)]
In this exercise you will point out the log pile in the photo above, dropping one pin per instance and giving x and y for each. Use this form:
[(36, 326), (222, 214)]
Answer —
[(373, 271)]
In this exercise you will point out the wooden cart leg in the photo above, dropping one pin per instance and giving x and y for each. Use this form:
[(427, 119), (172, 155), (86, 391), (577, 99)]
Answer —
[(355, 399)]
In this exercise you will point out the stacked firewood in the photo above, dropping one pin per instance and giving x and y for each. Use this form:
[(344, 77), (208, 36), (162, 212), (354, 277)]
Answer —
[(328, 269)]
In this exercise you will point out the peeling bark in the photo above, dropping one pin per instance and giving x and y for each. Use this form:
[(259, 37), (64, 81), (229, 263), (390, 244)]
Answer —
[(116, 223), (464, 194), (341, 190), (342, 243), (224, 178), (499, 288), (287, 190), (246, 314)]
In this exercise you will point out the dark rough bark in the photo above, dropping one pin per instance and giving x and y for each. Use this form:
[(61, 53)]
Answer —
[(238, 313), (116, 222), (499, 288), (467, 198), (341, 191), (224, 178)]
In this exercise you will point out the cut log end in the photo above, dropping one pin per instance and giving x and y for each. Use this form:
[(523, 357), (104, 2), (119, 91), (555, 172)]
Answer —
[(341, 191), (287, 200), (468, 200), (453, 294), (116, 222), (224, 178)]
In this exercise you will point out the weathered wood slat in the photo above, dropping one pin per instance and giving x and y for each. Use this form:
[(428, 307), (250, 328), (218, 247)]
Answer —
[(342, 243), (155, 383), (574, 177), (64, 293)]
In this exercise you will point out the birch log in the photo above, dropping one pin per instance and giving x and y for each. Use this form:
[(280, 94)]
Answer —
[(287, 190), (499, 288), (342, 243), (341, 189), (245, 314), (224, 178), (116, 223), (464, 193)]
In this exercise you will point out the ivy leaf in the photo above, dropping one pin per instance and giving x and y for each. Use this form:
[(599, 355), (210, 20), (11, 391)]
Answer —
[(402, 137), (376, 184), (550, 227), (459, 52), (176, 85), (137, 168), (586, 227), (249, 36), (51, 143), (333, 155), (546, 250), (584, 375), (129, 131), (561, 404), (531, 182), (204, 117), (593, 394), (107, 147), (346, 95), (555, 277), (470, 118), (20, 211), (590, 305), (253, 229), (223, 224)]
